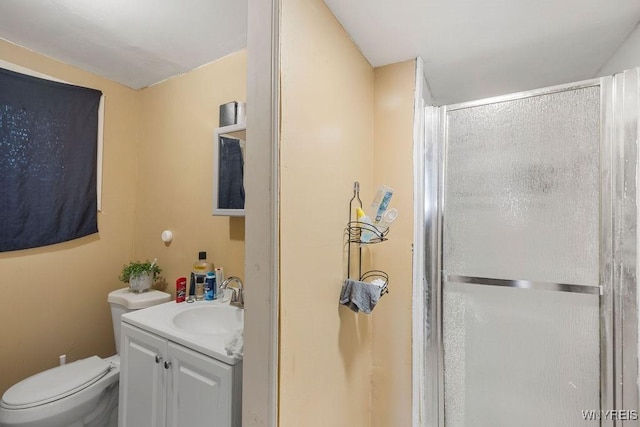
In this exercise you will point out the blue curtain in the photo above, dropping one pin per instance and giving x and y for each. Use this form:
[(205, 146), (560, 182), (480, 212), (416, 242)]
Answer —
[(48, 149)]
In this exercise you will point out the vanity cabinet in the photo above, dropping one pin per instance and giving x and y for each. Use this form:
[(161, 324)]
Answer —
[(163, 383)]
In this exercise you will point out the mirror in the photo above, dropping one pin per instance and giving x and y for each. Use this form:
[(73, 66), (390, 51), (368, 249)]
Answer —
[(228, 170)]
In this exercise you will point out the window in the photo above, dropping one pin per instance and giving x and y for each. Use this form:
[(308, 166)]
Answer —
[(48, 161)]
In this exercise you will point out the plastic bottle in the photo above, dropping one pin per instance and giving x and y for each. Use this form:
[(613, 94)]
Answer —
[(381, 202), (200, 270), (366, 231), (387, 219), (210, 287), (219, 293), (199, 288)]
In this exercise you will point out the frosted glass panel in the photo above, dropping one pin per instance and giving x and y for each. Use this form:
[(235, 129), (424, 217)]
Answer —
[(522, 193), (522, 189), (519, 357)]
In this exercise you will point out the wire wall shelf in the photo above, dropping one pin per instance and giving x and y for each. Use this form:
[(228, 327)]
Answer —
[(354, 233), (356, 228)]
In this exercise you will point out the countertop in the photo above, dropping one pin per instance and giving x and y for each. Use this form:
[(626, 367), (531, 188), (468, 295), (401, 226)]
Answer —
[(159, 320)]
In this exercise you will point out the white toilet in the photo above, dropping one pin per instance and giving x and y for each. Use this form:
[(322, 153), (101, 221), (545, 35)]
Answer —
[(81, 393)]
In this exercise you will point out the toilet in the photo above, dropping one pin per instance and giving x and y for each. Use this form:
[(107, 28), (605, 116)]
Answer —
[(80, 393)]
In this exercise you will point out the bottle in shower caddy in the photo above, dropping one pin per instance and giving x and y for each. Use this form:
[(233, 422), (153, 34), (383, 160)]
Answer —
[(387, 219), (200, 270), (366, 231)]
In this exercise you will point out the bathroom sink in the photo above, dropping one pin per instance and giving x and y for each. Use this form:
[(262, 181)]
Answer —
[(208, 319), (203, 326)]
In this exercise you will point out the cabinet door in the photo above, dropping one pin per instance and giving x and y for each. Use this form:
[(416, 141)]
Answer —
[(201, 390), (142, 379)]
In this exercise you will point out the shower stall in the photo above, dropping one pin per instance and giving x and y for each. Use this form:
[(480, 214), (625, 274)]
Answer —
[(530, 244)]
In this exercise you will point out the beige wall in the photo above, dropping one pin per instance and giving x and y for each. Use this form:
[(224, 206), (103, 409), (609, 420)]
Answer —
[(177, 120), (326, 145), (341, 122), (54, 298), (157, 175), (393, 162), (336, 368)]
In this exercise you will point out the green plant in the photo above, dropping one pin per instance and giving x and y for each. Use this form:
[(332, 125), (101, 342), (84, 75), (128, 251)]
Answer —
[(135, 269)]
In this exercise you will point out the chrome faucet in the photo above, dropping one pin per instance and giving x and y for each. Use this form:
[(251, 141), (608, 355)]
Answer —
[(237, 298)]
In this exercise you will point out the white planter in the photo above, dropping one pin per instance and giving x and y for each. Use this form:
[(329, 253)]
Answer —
[(141, 283)]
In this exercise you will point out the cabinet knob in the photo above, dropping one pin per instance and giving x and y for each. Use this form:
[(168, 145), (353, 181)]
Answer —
[(158, 358), (167, 364)]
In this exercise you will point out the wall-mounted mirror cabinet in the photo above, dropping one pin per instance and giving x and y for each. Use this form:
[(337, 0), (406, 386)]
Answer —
[(228, 170)]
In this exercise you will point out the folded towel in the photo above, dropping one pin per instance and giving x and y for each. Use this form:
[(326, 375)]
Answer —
[(378, 282), (359, 296), (235, 345)]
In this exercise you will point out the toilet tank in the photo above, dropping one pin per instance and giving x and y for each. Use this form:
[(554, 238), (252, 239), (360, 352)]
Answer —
[(123, 301)]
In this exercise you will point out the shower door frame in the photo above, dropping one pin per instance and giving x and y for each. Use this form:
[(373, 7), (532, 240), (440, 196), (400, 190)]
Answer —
[(619, 96)]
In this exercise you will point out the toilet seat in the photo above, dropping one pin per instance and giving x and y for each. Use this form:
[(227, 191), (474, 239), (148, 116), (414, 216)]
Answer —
[(56, 383)]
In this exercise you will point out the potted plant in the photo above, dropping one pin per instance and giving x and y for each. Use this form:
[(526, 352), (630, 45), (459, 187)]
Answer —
[(140, 275)]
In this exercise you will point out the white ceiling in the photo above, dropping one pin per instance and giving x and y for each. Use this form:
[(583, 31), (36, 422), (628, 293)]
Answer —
[(472, 49), (134, 42)]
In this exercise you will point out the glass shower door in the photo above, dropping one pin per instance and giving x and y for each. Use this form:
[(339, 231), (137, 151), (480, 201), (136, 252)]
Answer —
[(521, 260)]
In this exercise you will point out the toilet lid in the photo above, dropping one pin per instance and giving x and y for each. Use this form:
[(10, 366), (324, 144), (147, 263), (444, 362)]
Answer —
[(55, 383)]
